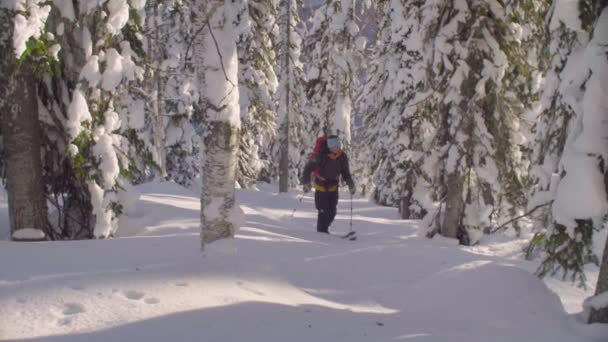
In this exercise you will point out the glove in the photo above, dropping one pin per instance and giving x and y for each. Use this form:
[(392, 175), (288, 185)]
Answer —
[(352, 188), (306, 188)]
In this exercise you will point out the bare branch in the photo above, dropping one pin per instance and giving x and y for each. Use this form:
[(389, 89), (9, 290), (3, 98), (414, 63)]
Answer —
[(521, 216), (217, 48)]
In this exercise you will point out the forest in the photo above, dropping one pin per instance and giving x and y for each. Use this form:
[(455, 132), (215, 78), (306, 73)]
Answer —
[(471, 117)]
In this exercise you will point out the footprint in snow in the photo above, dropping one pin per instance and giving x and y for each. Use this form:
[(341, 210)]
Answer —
[(69, 310), (151, 300), (64, 321), (137, 295), (72, 309), (134, 295)]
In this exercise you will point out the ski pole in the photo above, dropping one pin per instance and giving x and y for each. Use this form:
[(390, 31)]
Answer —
[(297, 205), (351, 211)]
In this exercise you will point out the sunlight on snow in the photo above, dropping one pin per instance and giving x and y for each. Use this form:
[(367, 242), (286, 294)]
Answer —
[(267, 236)]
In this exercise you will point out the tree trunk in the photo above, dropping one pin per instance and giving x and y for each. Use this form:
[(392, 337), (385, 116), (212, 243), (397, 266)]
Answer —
[(21, 139), (284, 125), (157, 94), (601, 315), (216, 67), (450, 226), (219, 175)]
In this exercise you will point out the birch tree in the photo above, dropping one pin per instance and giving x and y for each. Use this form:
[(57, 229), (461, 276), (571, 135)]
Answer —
[(215, 62)]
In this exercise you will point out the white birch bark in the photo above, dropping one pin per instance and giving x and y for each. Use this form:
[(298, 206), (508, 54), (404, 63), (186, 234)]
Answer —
[(216, 66)]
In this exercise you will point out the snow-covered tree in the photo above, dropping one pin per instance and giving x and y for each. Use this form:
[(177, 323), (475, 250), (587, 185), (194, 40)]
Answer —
[(565, 37), (175, 133), (291, 149), (21, 142), (85, 56), (215, 62), (576, 182), (331, 71), (473, 53), (257, 87), (397, 132)]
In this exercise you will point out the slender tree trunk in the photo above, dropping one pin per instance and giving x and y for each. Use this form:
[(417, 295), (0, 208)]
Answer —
[(216, 66), (284, 133), (454, 206), (21, 139), (159, 125), (601, 315)]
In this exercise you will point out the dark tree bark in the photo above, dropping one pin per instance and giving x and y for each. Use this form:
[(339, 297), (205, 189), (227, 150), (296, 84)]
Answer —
[(21, 138)]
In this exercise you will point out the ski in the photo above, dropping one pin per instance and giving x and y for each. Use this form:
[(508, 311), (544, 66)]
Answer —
[(352, 236)]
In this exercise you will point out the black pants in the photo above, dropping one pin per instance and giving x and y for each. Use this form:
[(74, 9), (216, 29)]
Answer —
[(326, 203)]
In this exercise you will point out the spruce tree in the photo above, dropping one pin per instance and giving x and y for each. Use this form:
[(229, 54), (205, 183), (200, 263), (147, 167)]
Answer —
[(472, 52), (290, 150), (332, 68), (579, 194), (397, 131), (257, 88)]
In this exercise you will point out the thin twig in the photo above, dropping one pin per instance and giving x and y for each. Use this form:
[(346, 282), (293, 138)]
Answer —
[(217, 48), (521, 216), (205, 22)]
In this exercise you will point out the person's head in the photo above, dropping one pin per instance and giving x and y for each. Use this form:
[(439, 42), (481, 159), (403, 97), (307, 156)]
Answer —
[(333, 143)]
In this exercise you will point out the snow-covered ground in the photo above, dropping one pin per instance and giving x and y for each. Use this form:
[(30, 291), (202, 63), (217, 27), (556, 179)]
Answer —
[(278, 281)]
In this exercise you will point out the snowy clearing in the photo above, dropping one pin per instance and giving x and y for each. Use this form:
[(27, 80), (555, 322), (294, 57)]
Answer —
[(278, 281)]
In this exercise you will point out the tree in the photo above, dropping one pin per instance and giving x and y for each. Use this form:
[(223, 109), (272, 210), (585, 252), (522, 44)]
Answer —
[(331, 76), (395, 127), (556, 117), (215, 62), (172, 92), (21, 133), (257, 87), (472, 52), (86, 56), (291, 148), (286, 94), (577, 189)]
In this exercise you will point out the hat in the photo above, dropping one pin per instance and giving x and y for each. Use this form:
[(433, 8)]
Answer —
[(333, 141)]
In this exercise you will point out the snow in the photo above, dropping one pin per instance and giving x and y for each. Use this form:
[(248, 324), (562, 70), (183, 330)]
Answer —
[(103, 150), (66, 8), (137, 114), (597, 302), (118, 16), (28, 234), (114, 70), (278, 280), (90, 71), (30, 27), (566, 13), (104, 224), (220, 84), (78, 111)]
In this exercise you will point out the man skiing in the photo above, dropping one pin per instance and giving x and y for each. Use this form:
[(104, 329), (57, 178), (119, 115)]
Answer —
[(328, 165)]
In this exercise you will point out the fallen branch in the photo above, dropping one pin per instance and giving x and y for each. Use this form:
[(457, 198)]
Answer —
[(521, 216)]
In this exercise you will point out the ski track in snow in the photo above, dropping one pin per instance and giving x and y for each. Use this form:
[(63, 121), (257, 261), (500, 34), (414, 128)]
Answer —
[(279, 280)]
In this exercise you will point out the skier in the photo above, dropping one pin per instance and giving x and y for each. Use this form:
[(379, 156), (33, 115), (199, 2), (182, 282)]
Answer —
[(330, 163)]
